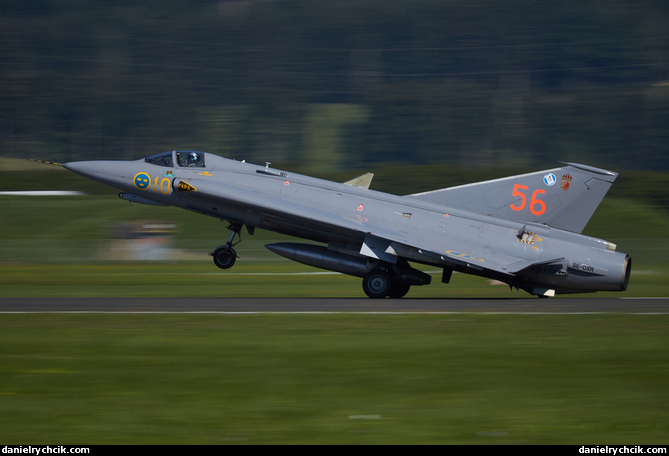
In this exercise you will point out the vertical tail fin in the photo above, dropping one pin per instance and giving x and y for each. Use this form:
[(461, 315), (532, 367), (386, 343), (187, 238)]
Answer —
[(563, 198)]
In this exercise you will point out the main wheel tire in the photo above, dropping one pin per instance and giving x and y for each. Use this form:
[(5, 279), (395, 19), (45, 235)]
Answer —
[(399, 290), (224, 257), (377, 284)]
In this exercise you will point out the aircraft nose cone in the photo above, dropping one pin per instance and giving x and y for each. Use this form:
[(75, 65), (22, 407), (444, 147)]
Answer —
[(86, 168), (77, 167), (107, 172)]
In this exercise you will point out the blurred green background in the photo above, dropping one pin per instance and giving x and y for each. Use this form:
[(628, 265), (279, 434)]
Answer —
[(339, 85)]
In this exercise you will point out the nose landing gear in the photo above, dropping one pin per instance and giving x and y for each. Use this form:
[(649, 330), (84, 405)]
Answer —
[(224, 255)]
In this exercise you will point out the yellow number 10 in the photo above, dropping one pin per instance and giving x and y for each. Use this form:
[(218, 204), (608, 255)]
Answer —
[(165, 180)]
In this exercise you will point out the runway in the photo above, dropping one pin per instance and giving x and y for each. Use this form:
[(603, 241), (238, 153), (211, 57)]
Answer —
[(336, 305)]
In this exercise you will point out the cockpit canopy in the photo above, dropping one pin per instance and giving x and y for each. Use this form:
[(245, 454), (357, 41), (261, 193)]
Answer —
[(184, 159), (164, 159)]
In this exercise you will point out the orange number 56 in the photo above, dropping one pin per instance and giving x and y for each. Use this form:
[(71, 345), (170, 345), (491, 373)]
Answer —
[(537, 206)]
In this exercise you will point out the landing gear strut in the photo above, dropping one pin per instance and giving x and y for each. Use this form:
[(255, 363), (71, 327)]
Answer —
[(224, 255)]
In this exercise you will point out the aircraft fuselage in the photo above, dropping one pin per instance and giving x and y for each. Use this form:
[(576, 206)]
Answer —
[(375, 229)]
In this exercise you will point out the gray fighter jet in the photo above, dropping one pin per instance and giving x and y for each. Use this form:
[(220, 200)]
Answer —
[(521, 230)]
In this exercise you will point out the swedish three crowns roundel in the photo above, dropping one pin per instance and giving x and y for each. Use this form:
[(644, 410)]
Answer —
[(142, 181)]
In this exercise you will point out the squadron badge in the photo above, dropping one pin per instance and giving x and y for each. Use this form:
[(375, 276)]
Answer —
[(566, 181), (549, 179)]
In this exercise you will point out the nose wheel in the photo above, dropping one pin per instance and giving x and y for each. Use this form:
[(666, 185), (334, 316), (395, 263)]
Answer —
[(224, 255)]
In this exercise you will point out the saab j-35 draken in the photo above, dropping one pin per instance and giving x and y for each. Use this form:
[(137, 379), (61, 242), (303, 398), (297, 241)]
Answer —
[(522, 230)]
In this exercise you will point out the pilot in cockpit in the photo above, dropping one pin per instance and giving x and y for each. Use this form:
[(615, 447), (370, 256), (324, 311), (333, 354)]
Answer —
[(190, 159), (193, 159)]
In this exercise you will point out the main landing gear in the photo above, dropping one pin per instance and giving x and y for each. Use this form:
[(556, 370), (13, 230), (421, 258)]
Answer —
[(393, 280), (378, 284), (224, 255)]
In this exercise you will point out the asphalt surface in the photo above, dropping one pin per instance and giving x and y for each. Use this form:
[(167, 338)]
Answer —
[(315, 305)]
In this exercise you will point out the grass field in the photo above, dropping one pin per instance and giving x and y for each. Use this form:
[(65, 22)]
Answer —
[(336, 379), (263, 379)]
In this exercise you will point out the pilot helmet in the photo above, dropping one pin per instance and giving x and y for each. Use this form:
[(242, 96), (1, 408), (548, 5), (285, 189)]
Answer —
[(193, 157)]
